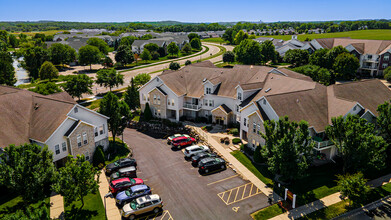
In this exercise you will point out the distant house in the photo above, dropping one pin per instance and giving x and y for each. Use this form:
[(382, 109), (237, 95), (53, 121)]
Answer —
[(179, 40), (54, 120)]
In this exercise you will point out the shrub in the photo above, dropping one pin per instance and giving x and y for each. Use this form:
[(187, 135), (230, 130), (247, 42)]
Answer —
[(188, 62), (118, 65), (98, 157), (257, 154), (242, 147), (234, 131), (174, 66), (236, 141), (147, 113), (387, 74), (226, 140)]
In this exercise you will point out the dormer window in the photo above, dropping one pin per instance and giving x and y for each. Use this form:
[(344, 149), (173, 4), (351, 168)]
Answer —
[(240, 96), (208, 90)]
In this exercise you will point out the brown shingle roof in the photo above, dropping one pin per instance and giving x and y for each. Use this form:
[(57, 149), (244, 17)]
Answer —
[(363, 46)]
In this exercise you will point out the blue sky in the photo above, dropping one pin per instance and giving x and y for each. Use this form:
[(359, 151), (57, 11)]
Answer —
[(193, 11)]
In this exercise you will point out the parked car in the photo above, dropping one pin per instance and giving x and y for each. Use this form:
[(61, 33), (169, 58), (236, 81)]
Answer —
[(142, 205), (182, 141), (123, 183), (210, 164), (195, 149), (125, 162), (124, 172), (133, 193), (169, 139), (196, 158)]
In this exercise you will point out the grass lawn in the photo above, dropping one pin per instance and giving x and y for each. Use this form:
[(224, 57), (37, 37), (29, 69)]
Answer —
[(329, 212), (94, 105), (215, 40), (382, 34), (268, 212), (93, 208), (51, 32), (117, 151), (9, 203)]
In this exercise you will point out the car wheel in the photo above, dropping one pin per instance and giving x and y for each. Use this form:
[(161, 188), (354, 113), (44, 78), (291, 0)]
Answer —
[(132, 217), (206, 171), (156, 210)]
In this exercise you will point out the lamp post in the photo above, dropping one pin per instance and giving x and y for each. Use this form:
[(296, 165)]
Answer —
[(107, 195)]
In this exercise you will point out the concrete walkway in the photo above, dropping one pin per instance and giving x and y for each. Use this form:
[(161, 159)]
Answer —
[(111, 209), (56, 206)]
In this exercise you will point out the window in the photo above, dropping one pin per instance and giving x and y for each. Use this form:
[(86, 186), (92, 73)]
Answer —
[(237, 108), (57, 148), (158, 99), (384, 65), (386, 57), (172, 102), (211, 103), (96, 131), (254, 127), (144, 98), (168, 102), (244, 121), (158, 112), (254, 143), (205, 102), (64, 146), (85, 141), (87, 154), (101, 129), (369, 56), (76, 110), (239, 95), (148, 97), (155, 112), (208, 90), (154, 99), (79, 140), (258, 127)]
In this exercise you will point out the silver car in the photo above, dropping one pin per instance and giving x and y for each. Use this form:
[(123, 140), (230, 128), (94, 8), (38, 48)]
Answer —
[(145, 204)]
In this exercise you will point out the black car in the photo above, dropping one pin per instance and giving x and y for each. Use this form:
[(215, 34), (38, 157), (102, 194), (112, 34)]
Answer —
[(125, 162), (196, 158), (211, 164)]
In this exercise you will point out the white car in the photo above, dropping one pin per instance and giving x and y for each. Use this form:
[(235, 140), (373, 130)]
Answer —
[(142, 205), (195, 149)]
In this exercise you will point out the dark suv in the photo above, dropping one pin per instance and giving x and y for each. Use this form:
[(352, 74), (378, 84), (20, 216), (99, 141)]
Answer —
[(211, 164), (196, 158), (125, 162)]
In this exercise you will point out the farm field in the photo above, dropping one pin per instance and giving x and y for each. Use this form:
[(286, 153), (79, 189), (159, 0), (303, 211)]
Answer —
[(32, 33)]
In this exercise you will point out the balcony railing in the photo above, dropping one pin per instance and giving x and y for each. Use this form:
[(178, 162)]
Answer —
[(191, 106), (321, 144)]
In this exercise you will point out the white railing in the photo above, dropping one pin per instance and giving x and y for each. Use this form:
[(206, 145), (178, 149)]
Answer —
[(191, 106), (322, 144)]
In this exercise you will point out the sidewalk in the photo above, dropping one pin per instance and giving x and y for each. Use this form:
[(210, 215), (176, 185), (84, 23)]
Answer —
[(111, 209), (56, 206)]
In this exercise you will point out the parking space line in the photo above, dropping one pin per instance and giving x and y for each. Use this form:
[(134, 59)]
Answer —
[(240, 198), (222, 180)]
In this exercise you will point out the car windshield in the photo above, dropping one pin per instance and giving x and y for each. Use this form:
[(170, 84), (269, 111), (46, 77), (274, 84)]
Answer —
[(116, 164), (133, 181), (134, 205), (127, 193)]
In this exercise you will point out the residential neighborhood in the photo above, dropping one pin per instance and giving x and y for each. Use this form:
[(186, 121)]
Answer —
[(168, 110)]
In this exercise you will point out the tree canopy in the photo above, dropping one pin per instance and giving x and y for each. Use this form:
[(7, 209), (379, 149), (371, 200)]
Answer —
[(240, 36), (229, 35), (99, 43), (61, 54), (174, 66), (229, 57), (7, 70), (296, 57), (131, 96), (152, 47), (319, 58), (172, 48), (268, 51), (48, 71), (354, 187), (34, 57), (346, 65), (124, 55), (317, 73), (248, 52), (186, 49), (46, 88), (89, 55), (109, 78), (196, 43), (77, 85), (191, 36), (146, 55), (141, 79), (128, 40)]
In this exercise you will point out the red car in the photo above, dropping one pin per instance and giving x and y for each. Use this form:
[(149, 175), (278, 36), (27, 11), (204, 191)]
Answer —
[(182, 141), (124, 183)]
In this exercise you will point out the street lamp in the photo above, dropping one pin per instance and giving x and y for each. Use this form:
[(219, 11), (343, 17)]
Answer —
[(107, 195)]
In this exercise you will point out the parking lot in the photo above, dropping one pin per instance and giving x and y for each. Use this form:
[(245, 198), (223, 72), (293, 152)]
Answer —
[(185, 193)]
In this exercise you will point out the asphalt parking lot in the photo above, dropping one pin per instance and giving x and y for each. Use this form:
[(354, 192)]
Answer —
[(185, 193)]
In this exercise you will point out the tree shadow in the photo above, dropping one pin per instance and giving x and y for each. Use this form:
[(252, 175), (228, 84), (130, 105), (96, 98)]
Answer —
[(77, 213)]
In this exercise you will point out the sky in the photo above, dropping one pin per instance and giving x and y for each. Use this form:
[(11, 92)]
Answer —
[(193, 11)]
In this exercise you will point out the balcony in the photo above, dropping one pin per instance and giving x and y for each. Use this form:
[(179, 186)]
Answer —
[(191, 106), (319, 144)]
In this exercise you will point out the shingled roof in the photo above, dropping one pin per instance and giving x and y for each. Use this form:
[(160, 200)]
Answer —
[(28, 115), (361, 45)]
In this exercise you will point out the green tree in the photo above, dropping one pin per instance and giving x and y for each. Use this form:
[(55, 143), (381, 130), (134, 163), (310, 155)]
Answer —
[(99, 156), (61, 54), (77, 85), (131, 96), (384, 121), (355, 139), (387, 73), (248, 52), (99, 43), (332, 54), (162, 52), (89, 54), (117, 111), (229, 57), (172, 48), (33, 58), (240, 36), (146, 55), (128, 41), (109, 78), (346, 65), (27, 168), (257, 154), (174, 66), (229, 35), (296, 57), (319, 58), (46, 88), (7, 70), (124, 55), (195, 43), (354, 187), (191, 36), (188, 62), (76, 180), (288, 147), (13, 41), (317, 73), (48, 71), (107, 62), (186, 49), (4, 36), (151, 47), (268, 51), (147, 112), (141, 79)]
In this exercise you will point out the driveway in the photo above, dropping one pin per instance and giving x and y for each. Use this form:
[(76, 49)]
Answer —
[(187, 194)]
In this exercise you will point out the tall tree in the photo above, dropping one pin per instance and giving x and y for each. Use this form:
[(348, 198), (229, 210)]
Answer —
[(109, 78), (7, 70), (229, 35), (186, 49), (354, 187), (77, 85), (141, 79), (268, 51), (118, 111), (131, 96), (124, 55), (147, 114), (240, 36), (13, 41), (128, 41), (61, 54), (151, 47), (27, 168), (76, 180), (296, 57), (99, 43), (332, 54), (248, 52), (33, 58), (146, 55), (384, 121), (288, 147), (319, 58), (229, 57), (346, 65), (4, 36), (387, 74), (48, 71), (191, 36), (89, 54), (196, 43), (172, 48), (360, 148)]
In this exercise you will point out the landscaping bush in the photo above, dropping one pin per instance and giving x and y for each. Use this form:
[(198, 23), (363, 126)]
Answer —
[(236, 141), (248, 150), (147, 113), (242, 147), (226, 140), (207, 128), (222, 140), (98, 157), (234, 131), (257, 154)]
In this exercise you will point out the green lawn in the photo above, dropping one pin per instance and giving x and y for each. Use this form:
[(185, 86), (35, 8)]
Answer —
[(117, 151), (94, 105), (329, 212), (382, 34), (10, 204), (51, 32), (215, 40), (268, 212), (93, 208)]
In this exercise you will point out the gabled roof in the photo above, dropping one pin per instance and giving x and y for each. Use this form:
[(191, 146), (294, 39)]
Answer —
[(361, 45)]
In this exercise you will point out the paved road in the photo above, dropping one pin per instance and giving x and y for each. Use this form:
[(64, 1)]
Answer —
[(185, 193), (381, 210)]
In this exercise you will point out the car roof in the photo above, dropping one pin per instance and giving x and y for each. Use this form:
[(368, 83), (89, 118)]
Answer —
[(192, 147), (139, 187), (207, 159), (125, 159), (127, 169), (114, 182), (148, 198), (179, 138)]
